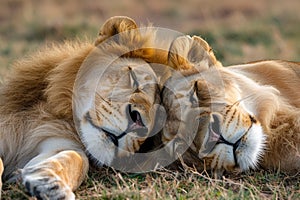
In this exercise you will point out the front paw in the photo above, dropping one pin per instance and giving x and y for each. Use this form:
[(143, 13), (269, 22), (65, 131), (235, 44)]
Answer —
[(45, 184)]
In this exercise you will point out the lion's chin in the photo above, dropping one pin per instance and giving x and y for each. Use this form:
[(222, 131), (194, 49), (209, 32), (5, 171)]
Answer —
[(102, 148), (251, 150), (97, 144), (247, 155)]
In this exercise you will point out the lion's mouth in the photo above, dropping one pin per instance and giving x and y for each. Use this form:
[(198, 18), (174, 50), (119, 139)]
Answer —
[(215, 137), (135, 124)]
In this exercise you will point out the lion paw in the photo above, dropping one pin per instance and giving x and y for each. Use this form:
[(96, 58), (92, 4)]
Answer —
[(43, 184)]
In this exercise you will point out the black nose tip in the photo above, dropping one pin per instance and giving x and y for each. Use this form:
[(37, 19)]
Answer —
[(135, 116)]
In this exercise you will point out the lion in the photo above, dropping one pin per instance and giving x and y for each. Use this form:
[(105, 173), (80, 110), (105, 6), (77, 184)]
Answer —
[(76, 102), (231, 119)]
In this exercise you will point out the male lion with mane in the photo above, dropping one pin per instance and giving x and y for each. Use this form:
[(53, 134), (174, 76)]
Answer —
[(231, 118), (114, 94)]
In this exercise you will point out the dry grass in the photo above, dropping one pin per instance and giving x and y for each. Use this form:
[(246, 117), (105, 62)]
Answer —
[(106, 183), (239, 31)]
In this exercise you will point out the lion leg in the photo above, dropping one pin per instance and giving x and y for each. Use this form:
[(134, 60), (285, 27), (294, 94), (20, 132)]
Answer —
[(55, 174)]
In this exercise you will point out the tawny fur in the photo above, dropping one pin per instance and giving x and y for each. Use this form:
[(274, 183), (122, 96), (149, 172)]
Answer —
[(280, 116), (36, 117), (269, 89), (28, 115)]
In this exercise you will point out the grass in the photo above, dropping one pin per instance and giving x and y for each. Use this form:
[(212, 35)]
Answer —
[(238, 31), (105, 183)]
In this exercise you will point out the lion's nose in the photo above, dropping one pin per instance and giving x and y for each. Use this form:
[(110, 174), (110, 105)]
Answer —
[(135, 122), (136, 118)]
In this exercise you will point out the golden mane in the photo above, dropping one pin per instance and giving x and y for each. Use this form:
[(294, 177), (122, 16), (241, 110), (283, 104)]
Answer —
[(38, 133)]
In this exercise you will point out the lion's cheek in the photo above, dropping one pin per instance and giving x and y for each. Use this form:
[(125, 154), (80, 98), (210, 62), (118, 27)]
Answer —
[(251, 149), (101, 148)]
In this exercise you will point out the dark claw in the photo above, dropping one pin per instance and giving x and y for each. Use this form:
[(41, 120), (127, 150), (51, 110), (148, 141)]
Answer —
[(27, 186), (36, 192)]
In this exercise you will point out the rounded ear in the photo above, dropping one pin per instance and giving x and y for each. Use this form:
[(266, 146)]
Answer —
[(206, 92), (115, 25), (191, 53)]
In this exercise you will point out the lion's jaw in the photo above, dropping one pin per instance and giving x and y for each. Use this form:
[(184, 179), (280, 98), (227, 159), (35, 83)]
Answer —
[(105, 143), (234, 147)]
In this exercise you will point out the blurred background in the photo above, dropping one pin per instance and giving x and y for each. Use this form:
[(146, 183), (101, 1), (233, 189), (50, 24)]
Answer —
[(238, 30)]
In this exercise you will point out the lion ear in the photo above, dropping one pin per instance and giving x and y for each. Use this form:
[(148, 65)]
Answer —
[(191, 53), (115, 25)]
